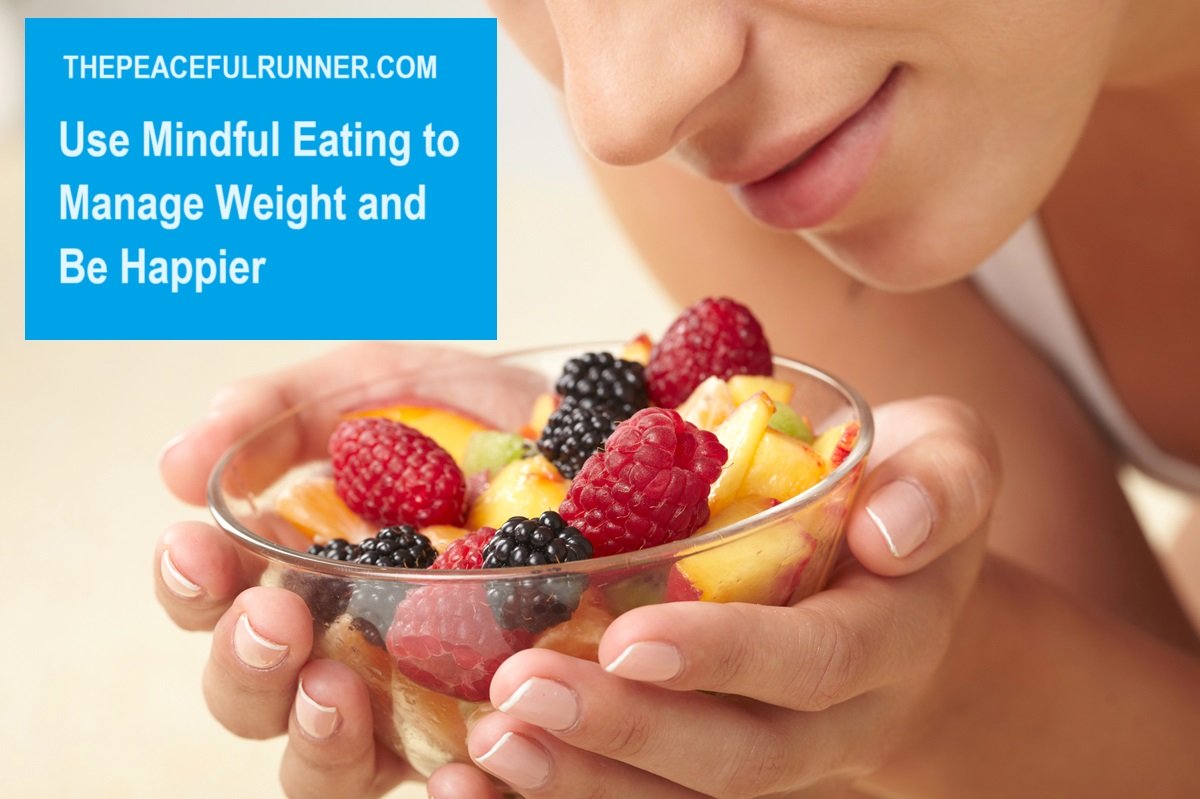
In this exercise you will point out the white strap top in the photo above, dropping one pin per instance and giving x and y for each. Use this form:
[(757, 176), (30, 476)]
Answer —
[(1021, 282)]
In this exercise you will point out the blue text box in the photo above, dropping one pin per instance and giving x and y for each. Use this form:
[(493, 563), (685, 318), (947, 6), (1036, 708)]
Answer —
[(329, 100)]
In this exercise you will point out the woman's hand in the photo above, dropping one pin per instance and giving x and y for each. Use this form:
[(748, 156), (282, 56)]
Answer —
[(817, 694), (259, 681), (861, 652)]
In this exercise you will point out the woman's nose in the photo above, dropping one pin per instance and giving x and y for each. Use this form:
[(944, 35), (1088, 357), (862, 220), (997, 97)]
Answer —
[(637, 72)]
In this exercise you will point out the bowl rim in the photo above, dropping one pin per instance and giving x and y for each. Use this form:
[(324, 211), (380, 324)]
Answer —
[(670, 552)]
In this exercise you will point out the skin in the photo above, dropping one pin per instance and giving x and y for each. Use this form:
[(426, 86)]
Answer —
[(935, 443), (888, 680)]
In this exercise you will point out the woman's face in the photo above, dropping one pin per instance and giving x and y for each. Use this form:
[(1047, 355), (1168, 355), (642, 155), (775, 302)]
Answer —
[(906, 139)]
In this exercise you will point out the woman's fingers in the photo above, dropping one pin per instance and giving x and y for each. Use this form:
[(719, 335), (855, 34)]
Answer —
[(934, 477), (799, 657), (554, 708), (258, 683), (197, 574), (331, 751), (380, 373), (188, 458), (460, 781), (540, 767), (258, 648), (638, 724), (834, 652), (861, 634)]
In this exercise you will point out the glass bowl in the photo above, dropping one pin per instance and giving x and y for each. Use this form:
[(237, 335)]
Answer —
[(421, 706)]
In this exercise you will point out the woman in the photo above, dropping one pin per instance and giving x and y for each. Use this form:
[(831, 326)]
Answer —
[(905, 143)]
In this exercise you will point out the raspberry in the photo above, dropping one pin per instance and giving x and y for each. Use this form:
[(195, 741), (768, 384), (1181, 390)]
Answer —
[(599, 378), (389, 474), (648, 486), (445, 638), (714, 337), (399, 547), (540, 602), (466, 552), (573, 433)]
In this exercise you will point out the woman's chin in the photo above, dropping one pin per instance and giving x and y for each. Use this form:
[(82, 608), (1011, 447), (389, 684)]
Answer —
[(904, 255)]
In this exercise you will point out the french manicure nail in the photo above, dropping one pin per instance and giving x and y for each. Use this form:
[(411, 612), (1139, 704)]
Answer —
[(172, 442), (317, 720), (902, 513), (518, 761), (179, 585), (254, 650), (177, 439), (647, 661), (546, 703)]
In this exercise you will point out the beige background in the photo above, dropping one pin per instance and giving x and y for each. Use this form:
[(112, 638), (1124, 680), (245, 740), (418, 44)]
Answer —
[(100, 693)]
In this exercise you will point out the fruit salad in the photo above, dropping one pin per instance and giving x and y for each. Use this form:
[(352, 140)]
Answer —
[(687, 469)]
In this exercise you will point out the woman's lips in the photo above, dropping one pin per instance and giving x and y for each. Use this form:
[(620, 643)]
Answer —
[(816, 185)]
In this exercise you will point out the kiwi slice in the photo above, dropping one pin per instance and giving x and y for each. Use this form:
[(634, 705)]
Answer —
[(790, 423), (490, 450)]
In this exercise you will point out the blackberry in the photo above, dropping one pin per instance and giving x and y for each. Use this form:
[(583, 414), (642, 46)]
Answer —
[(573, 432), (326, 597), (372, 607), (400, 547), (599, 379), (538, 603), (337, 549), (535, 542)]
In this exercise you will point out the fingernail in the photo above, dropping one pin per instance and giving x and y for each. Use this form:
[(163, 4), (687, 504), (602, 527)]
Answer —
[(518, 761), (178, 438), (317, 720), (178, 585), (901, 512), (546, 703), (172, 442), (254, 650), (647, 661)]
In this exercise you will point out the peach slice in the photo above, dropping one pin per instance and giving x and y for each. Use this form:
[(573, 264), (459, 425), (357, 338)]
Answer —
[(315, 509), (580, 636), (344, 641), (740, 434), (637, 350), (522, 488), (743, 386), (709, 404), (836, 443), (761, 567), (449, 428), (741, 508), (443, 535), (782, 467), (429, 725), (543, 407)]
